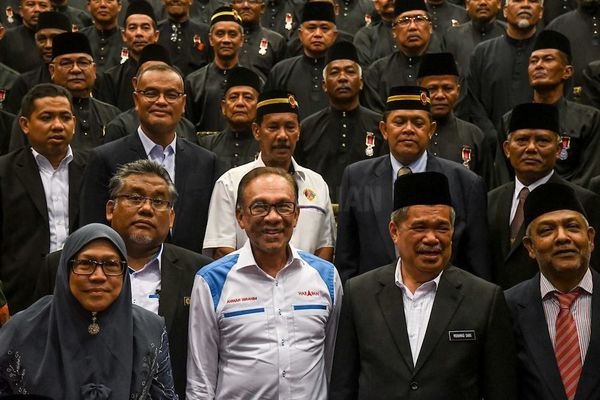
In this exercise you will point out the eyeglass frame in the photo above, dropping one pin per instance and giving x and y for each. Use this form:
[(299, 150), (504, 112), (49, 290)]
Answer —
[(419, 20), (73, 63), (97, 264), (144, 94), (143, 199), (270, 207)]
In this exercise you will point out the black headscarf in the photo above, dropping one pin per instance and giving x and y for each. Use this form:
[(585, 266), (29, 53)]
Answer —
[(47, 350)]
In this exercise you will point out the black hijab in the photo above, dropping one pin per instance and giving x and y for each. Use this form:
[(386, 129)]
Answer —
[(47, 350)]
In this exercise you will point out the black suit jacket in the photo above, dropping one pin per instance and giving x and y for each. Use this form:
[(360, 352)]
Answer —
[(24, 230), (363, 239), (511, 263), (537, 371), (194, 180), (178, 269), (373, 357)]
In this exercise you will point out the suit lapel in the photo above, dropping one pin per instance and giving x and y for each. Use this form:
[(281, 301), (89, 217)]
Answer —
[(392, 307), (503, 217), (170, 274), (589, 374), (447, 299), (28, 172), (381, 201), (76, 168), (535, 334), (181, 164)]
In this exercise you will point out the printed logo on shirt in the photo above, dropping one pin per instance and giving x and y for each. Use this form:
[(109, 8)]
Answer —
[(309, 293), (236, 300), (309, 194)]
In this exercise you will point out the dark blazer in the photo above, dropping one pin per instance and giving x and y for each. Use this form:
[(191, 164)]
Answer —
[(537, 371), (194, 179), (510, 263), (178, 269), (595, 184), (363, 238), (373, 357), (24, 230)]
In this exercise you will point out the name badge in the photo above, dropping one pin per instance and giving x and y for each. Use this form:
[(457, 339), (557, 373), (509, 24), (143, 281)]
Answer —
[(462, 336)]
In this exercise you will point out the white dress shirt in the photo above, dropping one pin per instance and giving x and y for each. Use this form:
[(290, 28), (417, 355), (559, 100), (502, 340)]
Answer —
[(417, 309), (145, 283), (252, 336), (518, 187), (56, 189), (165, 156)]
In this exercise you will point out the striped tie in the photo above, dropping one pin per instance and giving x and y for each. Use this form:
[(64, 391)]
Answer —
[(566, 348)]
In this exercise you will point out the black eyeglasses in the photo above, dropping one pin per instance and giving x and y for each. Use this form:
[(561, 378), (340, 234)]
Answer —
[(88, 267), (284, 208), (135, 200), (171, 96), (82, 63), (418, 19)]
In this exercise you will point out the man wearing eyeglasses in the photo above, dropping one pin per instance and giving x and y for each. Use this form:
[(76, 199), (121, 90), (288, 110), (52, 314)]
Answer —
[(159, 101), (413, 33), (263, 319)]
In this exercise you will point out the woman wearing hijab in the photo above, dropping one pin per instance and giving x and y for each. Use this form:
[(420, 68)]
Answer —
[(87, 341)]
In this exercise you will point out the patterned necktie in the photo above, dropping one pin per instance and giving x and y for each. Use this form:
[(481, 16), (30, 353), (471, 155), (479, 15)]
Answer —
[(566, 347), (517, 221), (404, 171)]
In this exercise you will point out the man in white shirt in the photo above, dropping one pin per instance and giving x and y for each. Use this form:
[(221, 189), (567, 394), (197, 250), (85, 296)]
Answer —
[(263, 318), (556, 313), (39, 187), (277, 129)]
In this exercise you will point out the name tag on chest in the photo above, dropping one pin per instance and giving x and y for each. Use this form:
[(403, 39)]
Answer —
[(462, 336)]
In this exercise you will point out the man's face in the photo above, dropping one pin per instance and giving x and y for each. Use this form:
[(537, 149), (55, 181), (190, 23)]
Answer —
[(50, 127), (523, 14), (160, 115), (277, 136), (43, 42), (249, 10), (412, 31), (271, 233), (31, 9), (143, 225), (239, 105), (443, 91), (385, 8), (76, 72), (532, 153), (407, 133), (104, 11), (139, 32), (482, 10), (561, 243), (548, 68), (226, 39), (317, 36), (96, 292), (177, 8), (342, 80), (424, 241)]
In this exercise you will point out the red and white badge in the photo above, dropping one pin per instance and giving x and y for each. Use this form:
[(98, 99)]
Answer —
[(264, 44), (10, 16), (124, 54), (565, 142), (288, 21), (74, 28), (198, 43), (466, 154), (368, 20), (370, 144), (2, 95)]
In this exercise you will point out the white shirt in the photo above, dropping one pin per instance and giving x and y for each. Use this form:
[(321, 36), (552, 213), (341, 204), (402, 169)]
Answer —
[(316, 225), (145, 283), (417, 166), (252, 336), (165, 156), (518, 187), (417, 309), (56, 189)]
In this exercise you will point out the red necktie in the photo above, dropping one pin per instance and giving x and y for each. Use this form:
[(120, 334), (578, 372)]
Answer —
[(566, 348)]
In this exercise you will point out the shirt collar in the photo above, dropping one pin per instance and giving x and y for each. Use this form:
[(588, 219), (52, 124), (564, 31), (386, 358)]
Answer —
[(155, 263), (299, 171), (539, 182), (246, 258), (547, 288), (149, 144), (416, 166), (43, 163), (429, 285)]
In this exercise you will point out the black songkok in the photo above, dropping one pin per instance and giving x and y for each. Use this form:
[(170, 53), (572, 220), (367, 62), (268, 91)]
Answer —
[(437, 64), (140, 7), (225, 13), (276, 101), (53, 20), (240, 76), (425, 188), (550, 197), (318, 11), (155, 52), (342, 50), (534, 116), (69, 43), (553, 40), (408, 98), (403, 6)]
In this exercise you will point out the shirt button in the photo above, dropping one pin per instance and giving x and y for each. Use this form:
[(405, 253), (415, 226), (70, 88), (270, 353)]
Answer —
[(414, 385), (279, 311), (283, 373), (344, 125), (276, 283), (343, 135), (343, 144)]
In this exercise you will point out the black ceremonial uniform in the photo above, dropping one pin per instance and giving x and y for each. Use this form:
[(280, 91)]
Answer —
[(22, 85), (301, 75), (445, 15), (282, 16), (9, 13), (462, 142), (6, 123), (555, 8), (18, 51), (232, 148), (263, 48), (397, 69), (590, 85), (497, 81), (332, 139), (353, 15), (579, 159), (461, 40), (157, 6), (374, 42), (8, 78), (78, 17), (115, 85), (201, 10), (92, 117), (106, 46), (187, 44), (581, 28), (128, 122)]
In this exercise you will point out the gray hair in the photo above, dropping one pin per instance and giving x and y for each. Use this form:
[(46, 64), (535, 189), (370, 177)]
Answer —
[(528, 229), (140, 167), (400, 215), (357, 64)]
